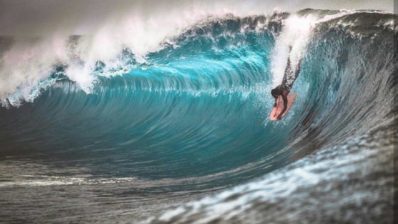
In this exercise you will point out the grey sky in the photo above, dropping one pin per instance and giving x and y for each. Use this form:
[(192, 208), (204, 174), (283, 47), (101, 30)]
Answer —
[(41, 16)]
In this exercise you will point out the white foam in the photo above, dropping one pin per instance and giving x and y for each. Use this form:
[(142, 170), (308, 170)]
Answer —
[(347, 160), (29, 62), (296, 32), (22, 68), (40, 181)]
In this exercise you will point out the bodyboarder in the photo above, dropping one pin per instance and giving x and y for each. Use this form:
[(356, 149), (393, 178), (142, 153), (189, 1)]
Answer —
[(283, 98)]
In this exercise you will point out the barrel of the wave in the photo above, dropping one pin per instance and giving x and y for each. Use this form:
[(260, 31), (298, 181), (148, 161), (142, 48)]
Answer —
[(172, 117)]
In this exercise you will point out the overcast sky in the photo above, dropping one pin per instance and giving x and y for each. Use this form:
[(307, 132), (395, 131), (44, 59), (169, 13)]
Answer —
[(41, 16)]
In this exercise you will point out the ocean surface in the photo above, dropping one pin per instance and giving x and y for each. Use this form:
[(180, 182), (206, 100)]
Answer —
[(180, 133)]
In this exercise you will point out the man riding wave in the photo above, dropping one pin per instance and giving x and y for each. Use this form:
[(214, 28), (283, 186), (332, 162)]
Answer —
[(283, 100)]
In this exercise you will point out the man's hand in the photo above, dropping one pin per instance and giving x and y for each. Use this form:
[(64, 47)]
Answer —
[(281, 106)]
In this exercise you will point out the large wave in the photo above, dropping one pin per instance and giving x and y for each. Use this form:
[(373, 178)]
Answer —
[(190, 115)]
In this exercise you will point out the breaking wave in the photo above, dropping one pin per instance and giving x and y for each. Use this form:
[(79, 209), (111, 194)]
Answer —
[(189, 113)]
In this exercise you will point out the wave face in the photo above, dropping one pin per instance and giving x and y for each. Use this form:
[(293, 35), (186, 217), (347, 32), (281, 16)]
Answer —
[(191, 117)]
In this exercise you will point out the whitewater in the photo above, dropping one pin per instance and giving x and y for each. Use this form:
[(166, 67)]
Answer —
[(141, 122)]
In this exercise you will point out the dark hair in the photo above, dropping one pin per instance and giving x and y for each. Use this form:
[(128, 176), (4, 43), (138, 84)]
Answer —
[(276, 92)]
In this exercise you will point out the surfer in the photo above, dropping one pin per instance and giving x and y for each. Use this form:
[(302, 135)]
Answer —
[(283, 98)]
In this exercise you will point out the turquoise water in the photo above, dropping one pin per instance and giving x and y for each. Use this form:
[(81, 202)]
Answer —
[(193, 116)]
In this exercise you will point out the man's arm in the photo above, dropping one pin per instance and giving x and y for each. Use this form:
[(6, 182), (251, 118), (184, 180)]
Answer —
[(288, 70), (284, 106)]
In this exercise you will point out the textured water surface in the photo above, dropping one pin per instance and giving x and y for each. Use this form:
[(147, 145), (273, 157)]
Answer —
[(181, 135)]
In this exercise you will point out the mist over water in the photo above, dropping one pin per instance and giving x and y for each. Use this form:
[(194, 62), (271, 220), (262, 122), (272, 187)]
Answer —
[(137, 113)]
